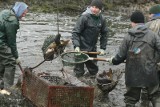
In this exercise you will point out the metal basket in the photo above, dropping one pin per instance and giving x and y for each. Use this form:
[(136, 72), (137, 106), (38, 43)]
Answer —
[(43, 94)]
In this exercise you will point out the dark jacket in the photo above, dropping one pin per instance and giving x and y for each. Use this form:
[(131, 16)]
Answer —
[(138, 49), (9, 25), (87, 30)]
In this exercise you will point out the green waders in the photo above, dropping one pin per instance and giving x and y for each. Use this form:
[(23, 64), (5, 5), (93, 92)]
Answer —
[(145, 101), (155, 100), (7, 66)]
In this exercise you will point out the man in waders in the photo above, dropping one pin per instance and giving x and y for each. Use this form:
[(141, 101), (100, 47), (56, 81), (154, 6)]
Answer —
[(9, 24), (154, 25), (90, 26), (138, 49)]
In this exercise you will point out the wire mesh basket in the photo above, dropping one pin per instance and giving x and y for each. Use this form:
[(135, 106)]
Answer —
[(44, 94)]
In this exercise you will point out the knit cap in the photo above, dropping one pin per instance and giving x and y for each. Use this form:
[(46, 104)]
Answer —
[(19, 8), (137, 17), (155, 9), (97, 3)]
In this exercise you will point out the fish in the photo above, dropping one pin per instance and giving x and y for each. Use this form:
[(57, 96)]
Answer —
[(53, 47), (105, 81)]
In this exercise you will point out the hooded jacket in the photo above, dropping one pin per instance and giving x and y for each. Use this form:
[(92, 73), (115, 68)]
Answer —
[(154, 24), (87, 31), (19, 8), (9, 25), (138, 49)]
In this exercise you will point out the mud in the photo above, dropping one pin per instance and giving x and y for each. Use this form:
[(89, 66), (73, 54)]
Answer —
[(37, 26)]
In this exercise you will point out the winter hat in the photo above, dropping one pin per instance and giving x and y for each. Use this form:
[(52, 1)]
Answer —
[(137, 17), (155, 9), (19, 8), (97, 3)]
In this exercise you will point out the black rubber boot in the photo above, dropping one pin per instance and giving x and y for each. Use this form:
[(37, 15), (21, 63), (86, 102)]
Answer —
[(145, 103), (8, 77), (130, 105), (1, 84)]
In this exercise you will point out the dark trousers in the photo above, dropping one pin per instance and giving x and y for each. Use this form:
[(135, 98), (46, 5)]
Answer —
[(145, 96), (132, 96), (91, 66)]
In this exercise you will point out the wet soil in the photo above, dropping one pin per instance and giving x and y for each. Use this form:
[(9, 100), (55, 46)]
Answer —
[(37, 26)]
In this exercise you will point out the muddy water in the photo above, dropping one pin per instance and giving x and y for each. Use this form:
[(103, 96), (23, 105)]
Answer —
[(37, 26)]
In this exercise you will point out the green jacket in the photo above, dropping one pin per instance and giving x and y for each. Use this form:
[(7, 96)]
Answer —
[(9, 25)]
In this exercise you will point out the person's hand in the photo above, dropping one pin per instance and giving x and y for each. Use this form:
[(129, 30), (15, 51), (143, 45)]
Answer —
[(18, 61), (110, 60), (102, 52), (77, 49)]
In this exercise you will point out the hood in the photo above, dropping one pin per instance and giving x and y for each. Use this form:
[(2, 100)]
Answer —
[(88, 11), (139, 30), (19, 8), (155, 16)]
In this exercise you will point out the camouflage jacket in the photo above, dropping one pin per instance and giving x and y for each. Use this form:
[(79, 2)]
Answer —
[(9, 25), (154, 25)]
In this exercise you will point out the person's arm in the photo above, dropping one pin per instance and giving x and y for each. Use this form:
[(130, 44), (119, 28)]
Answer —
[(122, 52), (103, 35), (77, 30), (11, 31), (157, 43)]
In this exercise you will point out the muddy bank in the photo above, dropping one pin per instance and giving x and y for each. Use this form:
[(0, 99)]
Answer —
[(74, 6)]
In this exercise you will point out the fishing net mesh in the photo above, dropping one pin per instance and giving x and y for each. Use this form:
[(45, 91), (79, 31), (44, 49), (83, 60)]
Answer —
[(72, 58)]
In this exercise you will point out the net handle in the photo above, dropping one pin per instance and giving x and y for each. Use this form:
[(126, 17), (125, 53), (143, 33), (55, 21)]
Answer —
[(86, 52), (95, 53), (98, 59)]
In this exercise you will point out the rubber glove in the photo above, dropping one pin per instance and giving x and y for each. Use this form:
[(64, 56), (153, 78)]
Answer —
[(110, 60), (102, 52), (77, 49), (18, 61)]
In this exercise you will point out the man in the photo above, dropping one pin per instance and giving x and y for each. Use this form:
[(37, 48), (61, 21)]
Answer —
[(9, 24), (138, 49), (154, 25), (90, 26), (154, 19)]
